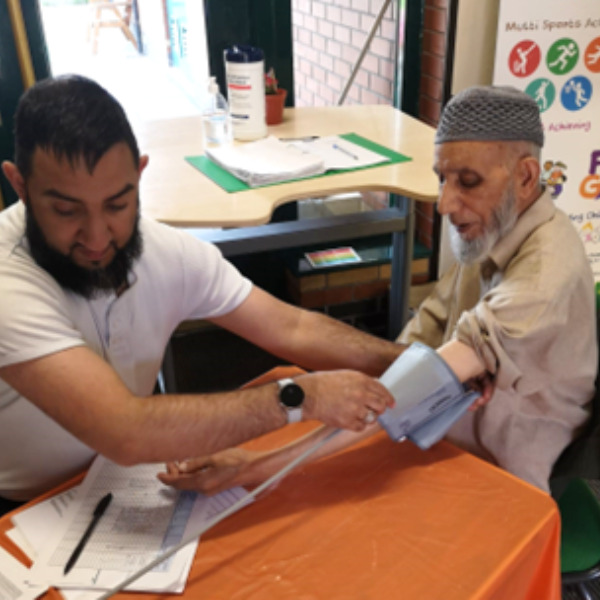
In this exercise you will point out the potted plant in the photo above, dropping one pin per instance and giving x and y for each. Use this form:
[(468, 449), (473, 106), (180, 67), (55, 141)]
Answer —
[(274, 98)]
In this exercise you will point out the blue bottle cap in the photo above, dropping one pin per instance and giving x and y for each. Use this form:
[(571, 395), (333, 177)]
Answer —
[(242, 53)]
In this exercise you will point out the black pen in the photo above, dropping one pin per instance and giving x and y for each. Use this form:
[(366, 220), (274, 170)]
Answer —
[(98, 512)]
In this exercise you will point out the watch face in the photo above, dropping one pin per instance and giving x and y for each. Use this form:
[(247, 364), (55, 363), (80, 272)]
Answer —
[(291, 395)]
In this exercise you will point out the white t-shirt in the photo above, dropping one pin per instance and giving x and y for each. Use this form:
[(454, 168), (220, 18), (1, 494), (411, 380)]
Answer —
[(177, 277)]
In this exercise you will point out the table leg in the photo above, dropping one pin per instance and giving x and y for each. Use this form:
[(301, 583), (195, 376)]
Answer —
[(402, 244)]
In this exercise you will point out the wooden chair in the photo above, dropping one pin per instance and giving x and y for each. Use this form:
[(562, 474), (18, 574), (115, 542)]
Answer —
[(110, 13)]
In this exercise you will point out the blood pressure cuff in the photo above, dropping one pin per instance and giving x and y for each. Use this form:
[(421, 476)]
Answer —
[(429, 397)]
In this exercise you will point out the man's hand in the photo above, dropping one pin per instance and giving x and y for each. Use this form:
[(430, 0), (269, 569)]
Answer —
[(215, 473), (343, 399)]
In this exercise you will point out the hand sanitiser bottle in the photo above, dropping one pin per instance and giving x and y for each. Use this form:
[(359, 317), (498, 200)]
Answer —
[(216, 120), (245, 76)]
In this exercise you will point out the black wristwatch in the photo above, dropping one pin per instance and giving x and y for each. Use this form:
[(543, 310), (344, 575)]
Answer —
[(291, 397)]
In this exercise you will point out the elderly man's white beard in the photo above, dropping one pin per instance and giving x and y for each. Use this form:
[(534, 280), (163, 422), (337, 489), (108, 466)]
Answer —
[(476, 250)]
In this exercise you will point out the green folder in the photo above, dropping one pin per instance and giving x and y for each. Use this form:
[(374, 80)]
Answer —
[(231, 184)]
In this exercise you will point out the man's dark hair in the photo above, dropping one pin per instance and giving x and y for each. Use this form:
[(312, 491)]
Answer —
[(71, 117)]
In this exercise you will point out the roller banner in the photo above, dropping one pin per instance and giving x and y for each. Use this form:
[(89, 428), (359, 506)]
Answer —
[(551, 50)]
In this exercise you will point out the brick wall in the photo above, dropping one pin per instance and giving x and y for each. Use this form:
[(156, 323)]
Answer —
[(431, 89), (328, 38), (433, 58)]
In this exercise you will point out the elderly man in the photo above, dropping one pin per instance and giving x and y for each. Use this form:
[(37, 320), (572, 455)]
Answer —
[(518, 301)]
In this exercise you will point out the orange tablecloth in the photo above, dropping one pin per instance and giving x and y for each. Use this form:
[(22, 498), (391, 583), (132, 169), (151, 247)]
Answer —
[(381, 520)]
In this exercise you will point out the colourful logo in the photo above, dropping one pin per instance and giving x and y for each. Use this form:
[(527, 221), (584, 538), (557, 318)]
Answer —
[(589, 234), (590, 186), (562, 56), (554, 177), (591, 57), (576, 93), (524, 58), (543, 92)]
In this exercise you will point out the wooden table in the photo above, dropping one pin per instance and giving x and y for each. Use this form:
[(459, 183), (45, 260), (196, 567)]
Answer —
[(379, 521), (174, 192)]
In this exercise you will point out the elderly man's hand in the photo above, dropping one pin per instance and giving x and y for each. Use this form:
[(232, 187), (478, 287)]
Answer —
[(213, 474), (485, 385), (343, 399)]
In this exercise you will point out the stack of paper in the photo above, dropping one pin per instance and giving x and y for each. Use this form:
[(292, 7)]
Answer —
[(143, 520), (266, 161), (272, 160), (13, 580)]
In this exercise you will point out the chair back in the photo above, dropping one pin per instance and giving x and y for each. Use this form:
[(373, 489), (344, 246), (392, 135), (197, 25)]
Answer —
[(580, 531), (581, 458)]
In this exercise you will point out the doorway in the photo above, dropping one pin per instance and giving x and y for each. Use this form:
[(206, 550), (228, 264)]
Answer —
[(150, 54)]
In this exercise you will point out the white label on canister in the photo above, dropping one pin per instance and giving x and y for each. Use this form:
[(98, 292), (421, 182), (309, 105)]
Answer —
[(246, 96)]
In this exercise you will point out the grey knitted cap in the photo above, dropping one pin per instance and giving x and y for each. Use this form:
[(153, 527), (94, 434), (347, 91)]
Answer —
[(490, 113)]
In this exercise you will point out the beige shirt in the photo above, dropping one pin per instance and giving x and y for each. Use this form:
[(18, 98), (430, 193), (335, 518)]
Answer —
[(529, 313)]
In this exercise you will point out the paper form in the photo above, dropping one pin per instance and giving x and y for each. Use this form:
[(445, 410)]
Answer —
[(144, 519), (32, 524), (338, 153), (13, 576)]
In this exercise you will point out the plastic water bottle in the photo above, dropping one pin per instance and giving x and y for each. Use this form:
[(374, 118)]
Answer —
[(216, 120)]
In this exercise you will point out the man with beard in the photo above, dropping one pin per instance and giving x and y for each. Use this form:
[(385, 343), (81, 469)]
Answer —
[(92, 291), (520, 300)]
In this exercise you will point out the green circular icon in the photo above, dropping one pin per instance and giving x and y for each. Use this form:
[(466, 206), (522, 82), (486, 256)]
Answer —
[(543, 92), (562, 56)]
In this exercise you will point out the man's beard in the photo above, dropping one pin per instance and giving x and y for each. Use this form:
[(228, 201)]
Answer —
[(88, 283), (503, 220)]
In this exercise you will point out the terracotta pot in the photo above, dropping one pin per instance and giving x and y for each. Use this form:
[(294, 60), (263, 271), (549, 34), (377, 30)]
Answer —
[(274, 106)]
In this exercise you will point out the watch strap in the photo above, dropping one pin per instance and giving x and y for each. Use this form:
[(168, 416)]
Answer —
[(293, 413)]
